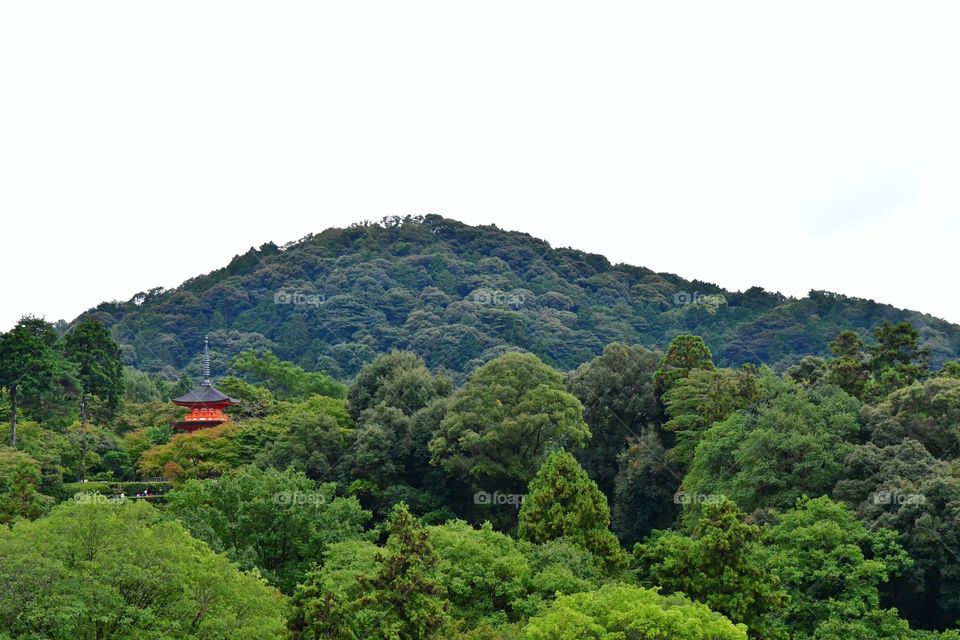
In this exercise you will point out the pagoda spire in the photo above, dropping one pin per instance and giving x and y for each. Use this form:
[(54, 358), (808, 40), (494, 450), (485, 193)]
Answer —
[(206, 361)]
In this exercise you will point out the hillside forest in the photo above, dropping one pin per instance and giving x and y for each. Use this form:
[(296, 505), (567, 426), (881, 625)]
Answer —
[(466, 434)]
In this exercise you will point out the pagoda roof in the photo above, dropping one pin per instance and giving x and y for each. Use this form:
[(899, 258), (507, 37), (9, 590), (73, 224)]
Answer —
[(205, 394)]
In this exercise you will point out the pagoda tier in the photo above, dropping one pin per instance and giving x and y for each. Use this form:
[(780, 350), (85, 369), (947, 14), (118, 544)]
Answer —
[(206, 402)]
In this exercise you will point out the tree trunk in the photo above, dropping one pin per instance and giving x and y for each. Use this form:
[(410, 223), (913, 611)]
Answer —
[(83, 408), (13, 417)]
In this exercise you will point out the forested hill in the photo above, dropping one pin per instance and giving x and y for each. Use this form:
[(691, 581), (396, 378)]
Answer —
[(458, 294)]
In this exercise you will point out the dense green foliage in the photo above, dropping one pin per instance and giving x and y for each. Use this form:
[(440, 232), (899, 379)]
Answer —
[(396, 597), (457, 295), (622, 611), (120, 570), (20, 495), (504, 421), (277, 521), (792, 443), (618, 396), (28, 364), (456, 432), (285, 381), (646, 483), (722, 564)]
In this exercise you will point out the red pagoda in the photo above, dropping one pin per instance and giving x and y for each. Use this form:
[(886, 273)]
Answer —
[(206, 402)]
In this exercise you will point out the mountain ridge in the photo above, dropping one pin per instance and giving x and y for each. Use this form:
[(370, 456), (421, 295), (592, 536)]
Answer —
[(459, 294)]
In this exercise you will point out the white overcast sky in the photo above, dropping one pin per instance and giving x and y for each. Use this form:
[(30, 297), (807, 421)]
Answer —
[(795, 146)]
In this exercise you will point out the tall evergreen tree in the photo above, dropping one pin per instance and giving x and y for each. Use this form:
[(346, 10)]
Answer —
[(685, 353), (391, 596), (27, 359), (897, 359), (645, 489), (410, 603), (703, 398), (563, 502), (99, 367), (849, 369)]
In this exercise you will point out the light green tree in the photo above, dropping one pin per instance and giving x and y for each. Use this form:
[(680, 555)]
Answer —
[(792, 444), (832, 567), (285, 380), (485, 573), (391, 596), (101, 569), (20, 480), (623, 611), (722, 564)]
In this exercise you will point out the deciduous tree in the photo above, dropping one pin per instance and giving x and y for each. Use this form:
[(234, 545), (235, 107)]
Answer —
[(285, 380), (277, 521), (504, 421), (722, 564), (617, 393), (623, 611), (832, 567), (102, 569)]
